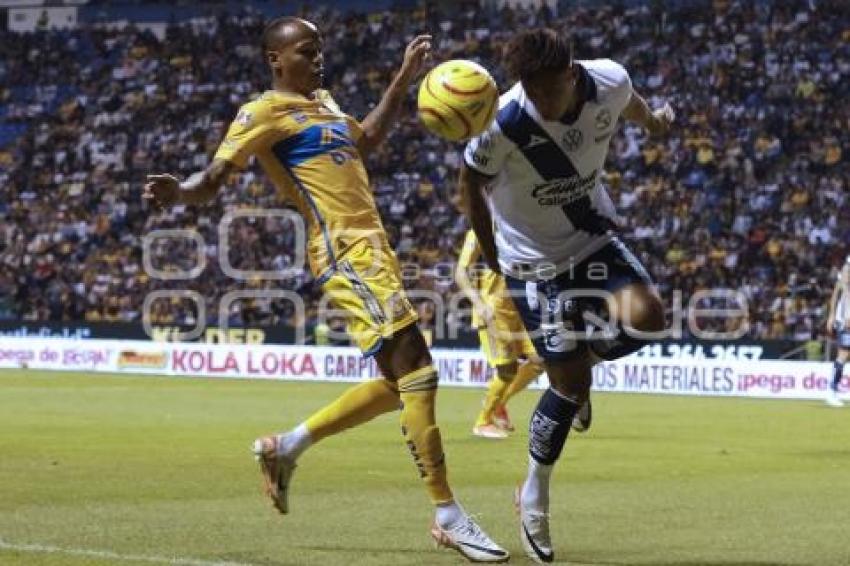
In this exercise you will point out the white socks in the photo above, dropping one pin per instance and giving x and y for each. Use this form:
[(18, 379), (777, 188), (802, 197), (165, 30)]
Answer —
[(449, 514), (294, 442), (535, 490)]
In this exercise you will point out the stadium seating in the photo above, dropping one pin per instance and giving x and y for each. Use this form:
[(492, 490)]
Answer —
[(748, 193)]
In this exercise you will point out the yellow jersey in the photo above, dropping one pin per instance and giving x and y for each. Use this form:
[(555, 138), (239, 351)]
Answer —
[(308, 149), (489, 284)]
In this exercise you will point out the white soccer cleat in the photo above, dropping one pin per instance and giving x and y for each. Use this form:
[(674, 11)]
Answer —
[(534, 531), (470, 541), (277, 471), (490, 431), (832, 400)]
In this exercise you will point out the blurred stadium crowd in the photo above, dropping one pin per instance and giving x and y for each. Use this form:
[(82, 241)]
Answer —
[(749, 192)]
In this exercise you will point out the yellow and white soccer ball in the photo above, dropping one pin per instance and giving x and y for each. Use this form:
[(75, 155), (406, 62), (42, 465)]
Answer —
[(458, 99)]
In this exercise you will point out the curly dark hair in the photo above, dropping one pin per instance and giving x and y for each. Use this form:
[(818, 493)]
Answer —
[(536, 53)]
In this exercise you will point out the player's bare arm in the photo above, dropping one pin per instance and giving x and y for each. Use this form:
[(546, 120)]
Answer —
[(656, 122), (167, 190), (377, 124), (464, 283), (472, 185)]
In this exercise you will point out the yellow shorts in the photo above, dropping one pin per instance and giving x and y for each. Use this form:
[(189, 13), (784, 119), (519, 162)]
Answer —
[(505, 340), (366, 285)]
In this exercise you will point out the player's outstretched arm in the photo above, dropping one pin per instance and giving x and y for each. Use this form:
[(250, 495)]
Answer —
[(377, 124), (472, 184), (657, 122), (166, 190)]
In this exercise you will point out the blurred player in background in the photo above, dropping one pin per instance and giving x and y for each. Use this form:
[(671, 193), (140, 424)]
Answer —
[(313, 152), (504, 341), (838, 326), (502, 336), (538, 170)]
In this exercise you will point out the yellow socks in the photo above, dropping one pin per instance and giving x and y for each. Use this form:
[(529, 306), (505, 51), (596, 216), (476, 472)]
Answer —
[(495, 397), (357, 405), (527, 372), (418, 391)]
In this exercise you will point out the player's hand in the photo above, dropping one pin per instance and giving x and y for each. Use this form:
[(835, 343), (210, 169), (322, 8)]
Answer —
[(416, 55), (662, 121), (162, 190)]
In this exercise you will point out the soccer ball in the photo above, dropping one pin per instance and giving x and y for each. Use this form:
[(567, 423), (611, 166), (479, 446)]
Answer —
[(458, 100)]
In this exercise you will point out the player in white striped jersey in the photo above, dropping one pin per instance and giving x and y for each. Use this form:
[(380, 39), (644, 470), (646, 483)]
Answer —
[(838, 326), (531, 186)]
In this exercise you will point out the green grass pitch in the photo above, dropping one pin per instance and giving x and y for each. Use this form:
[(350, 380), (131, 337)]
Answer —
[(104, 469)]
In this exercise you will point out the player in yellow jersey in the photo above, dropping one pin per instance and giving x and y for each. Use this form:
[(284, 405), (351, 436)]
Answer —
[(313, 153), (502, 336), (504, 341)]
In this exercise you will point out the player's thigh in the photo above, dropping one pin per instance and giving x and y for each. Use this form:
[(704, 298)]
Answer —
[(553, 325), (366, 286), (628, 301), (555, 328)]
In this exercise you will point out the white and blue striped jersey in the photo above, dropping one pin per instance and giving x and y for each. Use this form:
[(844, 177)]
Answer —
[(546, 198)]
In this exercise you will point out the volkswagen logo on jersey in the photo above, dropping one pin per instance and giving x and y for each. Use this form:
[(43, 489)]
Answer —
[(572, 139)]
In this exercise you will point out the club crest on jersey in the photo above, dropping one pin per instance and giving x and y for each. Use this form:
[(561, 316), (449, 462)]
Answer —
[(572, 139), (603, 119), (245, 118)]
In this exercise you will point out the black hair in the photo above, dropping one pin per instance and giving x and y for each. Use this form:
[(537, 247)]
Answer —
[(273, 28), (536, 52)]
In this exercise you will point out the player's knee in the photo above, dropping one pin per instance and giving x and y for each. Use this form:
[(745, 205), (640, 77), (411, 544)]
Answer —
[(647, 313), (535, 364), (571, 379), (403, 354), (507, 372), (575, 392)]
